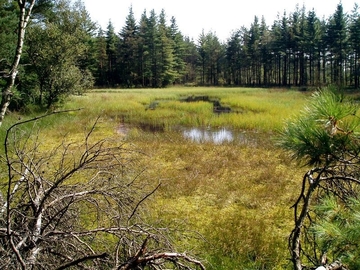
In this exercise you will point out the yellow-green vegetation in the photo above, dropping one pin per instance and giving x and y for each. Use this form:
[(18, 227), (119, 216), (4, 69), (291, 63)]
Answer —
[(236, 197), (255, 109)]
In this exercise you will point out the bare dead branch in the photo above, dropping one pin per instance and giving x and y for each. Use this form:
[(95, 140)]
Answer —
[(139, 260), (80, 260), (65, 203), (143, 199), (337, 180)]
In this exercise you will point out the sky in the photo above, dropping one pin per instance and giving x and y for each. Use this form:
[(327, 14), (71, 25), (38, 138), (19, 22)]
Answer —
[(220, 17)]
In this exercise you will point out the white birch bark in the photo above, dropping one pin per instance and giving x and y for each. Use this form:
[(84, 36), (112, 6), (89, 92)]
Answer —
[(7, 92)]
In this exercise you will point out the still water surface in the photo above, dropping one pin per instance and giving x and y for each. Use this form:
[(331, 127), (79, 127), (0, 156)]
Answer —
[(204, 135), (223, 135), (215, 136)]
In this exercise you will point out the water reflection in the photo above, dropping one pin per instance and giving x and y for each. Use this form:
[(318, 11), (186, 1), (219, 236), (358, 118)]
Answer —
[(224, 135), (204, 135)]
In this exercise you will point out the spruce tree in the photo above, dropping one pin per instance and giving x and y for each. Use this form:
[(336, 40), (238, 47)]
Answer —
[(165, 51), (128, 50), (178, 52)]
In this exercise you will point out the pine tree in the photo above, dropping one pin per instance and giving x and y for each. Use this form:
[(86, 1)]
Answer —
[(277, 52), (337, 41), (355, 46), (323, 136), (285, 48), (254, 53), (152, 41), (143, 54), (129, 39), (101, 59), (211, 54), (313, 46), (166, 73), (148, 45), (298, 48), (265, 55), (191, 57), (112, 42), (178, 51), (233, 60)]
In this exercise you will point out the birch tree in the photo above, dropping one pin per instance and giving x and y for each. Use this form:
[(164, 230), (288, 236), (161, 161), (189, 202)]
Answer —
[(7, 92)]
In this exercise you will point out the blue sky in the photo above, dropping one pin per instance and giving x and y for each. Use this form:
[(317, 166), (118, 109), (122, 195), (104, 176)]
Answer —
[(221, 17)]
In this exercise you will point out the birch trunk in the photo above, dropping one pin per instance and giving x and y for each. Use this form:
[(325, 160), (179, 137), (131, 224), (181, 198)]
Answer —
[(7, 92)]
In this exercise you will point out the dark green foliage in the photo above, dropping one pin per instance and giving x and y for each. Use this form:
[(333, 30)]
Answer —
[(298, 50), (355, 47), (57, 50), (338, 230), (326, 136), (233, 53), (165, 51), (150, 53), (100, 55), (323, 130), (112, 42), (211, 56), (337, 39), (128, 51), (179, 48), (8, 25)]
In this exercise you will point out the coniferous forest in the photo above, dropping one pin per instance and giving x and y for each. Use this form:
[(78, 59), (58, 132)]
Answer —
[(298, 49), (65, 49)]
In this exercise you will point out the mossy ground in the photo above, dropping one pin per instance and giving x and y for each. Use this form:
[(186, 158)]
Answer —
[(229, 203)]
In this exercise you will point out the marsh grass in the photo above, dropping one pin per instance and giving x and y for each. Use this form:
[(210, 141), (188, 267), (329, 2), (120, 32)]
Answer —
[(236, 196), (256, 109)]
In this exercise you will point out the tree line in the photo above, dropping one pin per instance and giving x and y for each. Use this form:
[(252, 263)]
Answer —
[(65, 52), (298, 49)]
